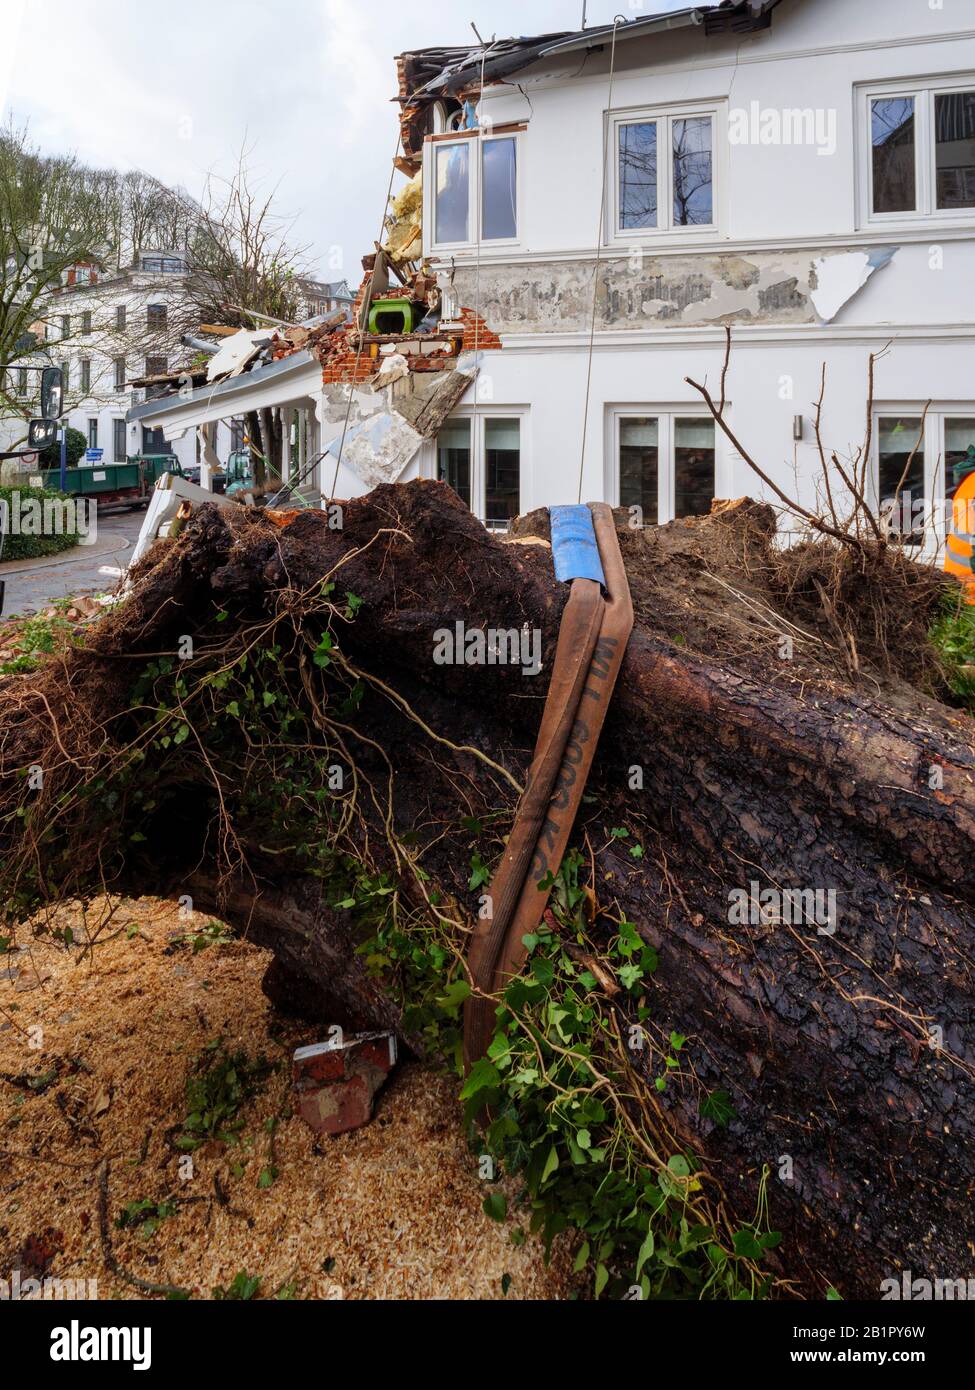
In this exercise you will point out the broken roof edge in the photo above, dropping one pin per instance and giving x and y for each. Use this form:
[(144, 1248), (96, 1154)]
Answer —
[(465, 64), (234, 385)]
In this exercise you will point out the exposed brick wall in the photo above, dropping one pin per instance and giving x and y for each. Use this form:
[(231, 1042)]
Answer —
[(340, 362), (342, 367), (477, 333)]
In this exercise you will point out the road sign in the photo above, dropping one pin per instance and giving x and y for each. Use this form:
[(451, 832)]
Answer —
[(94, 455)]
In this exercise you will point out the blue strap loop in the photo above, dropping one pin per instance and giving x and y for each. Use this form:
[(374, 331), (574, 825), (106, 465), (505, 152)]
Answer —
[(574, 547)]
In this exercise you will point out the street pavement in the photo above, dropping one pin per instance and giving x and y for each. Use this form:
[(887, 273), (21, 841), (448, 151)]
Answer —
[(32, 584)]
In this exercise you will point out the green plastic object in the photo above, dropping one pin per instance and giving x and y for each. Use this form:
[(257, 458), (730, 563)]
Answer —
[(391, 306)]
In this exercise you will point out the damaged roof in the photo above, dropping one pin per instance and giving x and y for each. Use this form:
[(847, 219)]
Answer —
[(433, 72), (207, 392)]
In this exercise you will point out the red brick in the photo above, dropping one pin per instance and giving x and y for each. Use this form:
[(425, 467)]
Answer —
[(335, 1082)]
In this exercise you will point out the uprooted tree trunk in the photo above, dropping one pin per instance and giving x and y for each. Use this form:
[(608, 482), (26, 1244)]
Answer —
[(736, 754)]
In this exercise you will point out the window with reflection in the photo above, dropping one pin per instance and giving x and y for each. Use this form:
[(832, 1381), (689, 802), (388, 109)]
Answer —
[(502, 464), (892, 140), (638, 174), (954, 149), (639, 464), (693, 466), (691, 138), (452, 192), (454, 458), (499, 190), (901, 476)]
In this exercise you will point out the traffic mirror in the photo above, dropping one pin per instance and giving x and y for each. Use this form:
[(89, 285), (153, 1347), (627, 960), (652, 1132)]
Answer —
[(41, 434), (52, 393)]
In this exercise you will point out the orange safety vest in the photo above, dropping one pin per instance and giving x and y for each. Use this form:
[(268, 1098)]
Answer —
[(960, 542)]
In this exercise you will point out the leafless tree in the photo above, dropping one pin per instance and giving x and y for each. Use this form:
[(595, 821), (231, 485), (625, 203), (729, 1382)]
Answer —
[(243, 265), (52, 216)]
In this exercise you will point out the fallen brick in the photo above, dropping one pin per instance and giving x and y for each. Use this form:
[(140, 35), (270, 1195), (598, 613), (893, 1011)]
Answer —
[(335, 1082)]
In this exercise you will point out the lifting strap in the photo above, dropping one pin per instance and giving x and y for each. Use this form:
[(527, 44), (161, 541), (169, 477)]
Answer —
[(592, 641)]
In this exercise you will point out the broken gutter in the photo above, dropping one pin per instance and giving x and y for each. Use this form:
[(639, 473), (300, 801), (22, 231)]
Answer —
[(200, 344), (634, 28), (452, 81)]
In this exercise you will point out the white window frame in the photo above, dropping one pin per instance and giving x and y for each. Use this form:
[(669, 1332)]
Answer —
[(475, 139), (117, 420), (478, 419), (665, 415), (664, 115), (933, 449), (926, 213)]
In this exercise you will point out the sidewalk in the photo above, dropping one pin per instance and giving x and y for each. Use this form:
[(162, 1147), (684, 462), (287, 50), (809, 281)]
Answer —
[(104, 545), (33, 584)]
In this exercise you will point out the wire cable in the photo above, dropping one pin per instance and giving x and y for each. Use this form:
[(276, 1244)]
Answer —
[(595, 273)]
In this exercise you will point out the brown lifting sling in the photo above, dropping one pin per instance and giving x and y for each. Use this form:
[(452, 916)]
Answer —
[(592, 641)]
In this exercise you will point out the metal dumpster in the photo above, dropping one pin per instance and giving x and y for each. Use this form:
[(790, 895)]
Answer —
[(115, 484)]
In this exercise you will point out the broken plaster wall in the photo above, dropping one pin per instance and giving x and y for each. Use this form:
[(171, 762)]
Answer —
[(387, 424), (637, 290)]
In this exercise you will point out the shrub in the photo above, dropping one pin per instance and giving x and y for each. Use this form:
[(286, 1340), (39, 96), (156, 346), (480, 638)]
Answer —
[(77, 444), (26, 546), (954, 638)]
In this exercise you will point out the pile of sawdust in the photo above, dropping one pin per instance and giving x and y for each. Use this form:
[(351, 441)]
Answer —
[(97, 1038)]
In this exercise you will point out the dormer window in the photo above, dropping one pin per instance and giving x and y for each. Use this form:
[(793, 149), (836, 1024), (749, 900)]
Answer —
[(163, 265)]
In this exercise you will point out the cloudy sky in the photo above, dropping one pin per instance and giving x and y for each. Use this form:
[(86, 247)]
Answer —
[(305, 84)]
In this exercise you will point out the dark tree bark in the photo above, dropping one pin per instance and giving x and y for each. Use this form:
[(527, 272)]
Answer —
[(845, 1045), (256, 447)]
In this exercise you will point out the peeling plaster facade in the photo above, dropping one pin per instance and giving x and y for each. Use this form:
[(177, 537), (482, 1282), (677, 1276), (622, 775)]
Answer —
[(797, 263), (766, 287)]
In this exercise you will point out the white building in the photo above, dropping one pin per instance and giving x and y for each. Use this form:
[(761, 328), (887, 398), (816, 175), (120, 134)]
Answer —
[(747, 166), (801, 170), (321, 296), (106, 331)]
